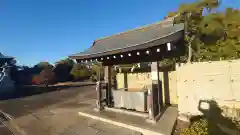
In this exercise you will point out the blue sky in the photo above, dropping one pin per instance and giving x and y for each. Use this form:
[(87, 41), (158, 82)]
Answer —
[(50, 30)]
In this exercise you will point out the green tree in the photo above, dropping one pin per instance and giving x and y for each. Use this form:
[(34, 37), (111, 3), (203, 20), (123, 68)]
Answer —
[(192, 15), (42, 65), (220, 35), (96, 68), (209, 35), (80, 72), (47, 76), (67, 61), (62, 70)]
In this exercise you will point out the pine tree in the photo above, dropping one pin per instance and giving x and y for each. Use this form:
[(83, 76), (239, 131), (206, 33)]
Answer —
[(209, 35)]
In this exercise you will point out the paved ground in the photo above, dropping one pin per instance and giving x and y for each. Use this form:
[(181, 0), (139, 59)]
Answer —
[(66, 122), (22, 106), (96, 127), (5, 131), (55, 113)]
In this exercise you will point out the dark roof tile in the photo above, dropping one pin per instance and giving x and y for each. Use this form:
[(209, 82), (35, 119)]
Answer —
[(133, 37), (5, 57)]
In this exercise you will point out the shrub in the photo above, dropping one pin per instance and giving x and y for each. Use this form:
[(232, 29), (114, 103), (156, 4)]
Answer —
[(46, 77), (62, 70), (209, 126), (93, 78), (80, 72), (36, 79), (199, 127)]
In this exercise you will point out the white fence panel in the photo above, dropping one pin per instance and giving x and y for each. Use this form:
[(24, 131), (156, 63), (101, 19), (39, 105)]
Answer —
[(235, 80), (219, 81)]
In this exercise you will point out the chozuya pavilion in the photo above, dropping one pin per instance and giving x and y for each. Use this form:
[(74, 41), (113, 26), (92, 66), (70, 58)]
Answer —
[(151, 43), (6, 84)]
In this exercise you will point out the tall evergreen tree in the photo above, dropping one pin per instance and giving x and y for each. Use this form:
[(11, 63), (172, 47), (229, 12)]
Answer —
[(209, 35)]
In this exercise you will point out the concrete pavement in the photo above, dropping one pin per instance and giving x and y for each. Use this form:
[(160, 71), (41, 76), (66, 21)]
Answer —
[(64, 120), (56, 113), (67, 122), (23, 106)]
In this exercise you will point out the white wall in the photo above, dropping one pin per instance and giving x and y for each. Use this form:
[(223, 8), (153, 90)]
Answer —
[(218, 81)]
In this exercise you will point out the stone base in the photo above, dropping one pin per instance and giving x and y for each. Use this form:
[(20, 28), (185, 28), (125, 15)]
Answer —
[(97, 109), (123, 111), (184, 118), (151, 121)]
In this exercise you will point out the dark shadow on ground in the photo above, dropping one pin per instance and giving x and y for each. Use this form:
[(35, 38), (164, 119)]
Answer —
[(30, 90), (22, 103), (217, 123)]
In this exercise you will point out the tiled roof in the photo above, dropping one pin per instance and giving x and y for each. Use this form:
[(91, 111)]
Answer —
[(5, 57), (133, 37)]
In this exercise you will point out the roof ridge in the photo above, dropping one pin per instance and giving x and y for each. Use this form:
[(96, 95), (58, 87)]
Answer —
[(138, 28)]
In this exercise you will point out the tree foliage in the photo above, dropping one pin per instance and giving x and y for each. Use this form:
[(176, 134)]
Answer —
[(209, 35), (95, 70), (46, 77), (80, 71), (42, 65), (23, 74), (62, 70)]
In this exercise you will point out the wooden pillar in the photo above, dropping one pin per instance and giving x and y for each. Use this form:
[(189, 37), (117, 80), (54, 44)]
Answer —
[(108, 81), (99, 105), (160, 93), (125, 78), (153, 94)]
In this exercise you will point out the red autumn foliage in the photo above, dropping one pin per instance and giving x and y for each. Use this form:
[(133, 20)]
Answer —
[(45, 77)]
